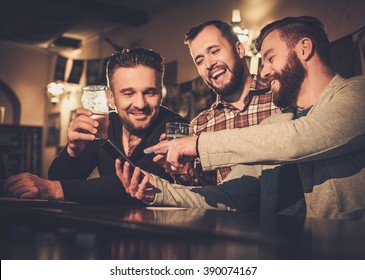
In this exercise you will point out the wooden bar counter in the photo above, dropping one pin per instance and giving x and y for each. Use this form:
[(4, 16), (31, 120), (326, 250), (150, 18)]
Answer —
[(37, 229)]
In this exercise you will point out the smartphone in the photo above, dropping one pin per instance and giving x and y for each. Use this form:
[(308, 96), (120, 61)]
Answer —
[(115, 153)]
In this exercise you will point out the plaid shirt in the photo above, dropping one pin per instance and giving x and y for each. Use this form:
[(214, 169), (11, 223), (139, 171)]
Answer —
[(258, 105)]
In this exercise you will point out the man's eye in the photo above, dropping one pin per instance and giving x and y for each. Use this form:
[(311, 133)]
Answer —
[(128, 93), (215, 51), (271, 59), (150, 92), (199, 61)]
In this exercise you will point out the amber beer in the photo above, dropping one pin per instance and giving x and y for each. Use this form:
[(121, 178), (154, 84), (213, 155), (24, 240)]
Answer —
[(95, 99), (176, 130), (102, 129)]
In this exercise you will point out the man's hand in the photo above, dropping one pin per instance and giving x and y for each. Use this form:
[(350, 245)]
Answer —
[(26, 185), (81, 129), (161, 159), (177, 151), (144, 190)]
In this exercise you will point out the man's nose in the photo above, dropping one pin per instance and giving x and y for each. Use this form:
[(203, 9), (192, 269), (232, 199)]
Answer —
[(140, 101), (265, 71), (209, 62)]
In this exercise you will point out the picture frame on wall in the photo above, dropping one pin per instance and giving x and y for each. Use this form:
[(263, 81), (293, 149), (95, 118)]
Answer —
[(347, 54), (53, 129)]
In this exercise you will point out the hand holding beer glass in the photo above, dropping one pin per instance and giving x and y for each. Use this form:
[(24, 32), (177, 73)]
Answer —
[(95, 99), (177, 130)]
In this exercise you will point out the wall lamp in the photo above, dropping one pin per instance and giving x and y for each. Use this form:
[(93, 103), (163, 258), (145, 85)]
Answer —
[(55, 92), (244, 35)]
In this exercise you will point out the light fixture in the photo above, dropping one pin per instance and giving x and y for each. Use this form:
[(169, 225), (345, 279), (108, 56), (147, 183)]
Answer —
[(65, 42), (55, 92), (243, 33)]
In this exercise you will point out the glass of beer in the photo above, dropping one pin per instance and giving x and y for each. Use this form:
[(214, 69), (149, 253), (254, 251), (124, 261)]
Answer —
[(95, 99), (176, 130)]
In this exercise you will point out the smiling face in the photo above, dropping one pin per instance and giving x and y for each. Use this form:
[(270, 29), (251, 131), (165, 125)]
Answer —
[(136, 93), (218, 63), (283, 69)]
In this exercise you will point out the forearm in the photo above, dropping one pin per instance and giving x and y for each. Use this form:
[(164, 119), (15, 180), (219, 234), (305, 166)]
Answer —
[(234, 193), (103, 189), (181, 196), (330, 130), (66, 167)]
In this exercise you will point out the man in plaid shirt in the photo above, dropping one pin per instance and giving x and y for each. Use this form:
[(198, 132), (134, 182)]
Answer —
[(242, 99)]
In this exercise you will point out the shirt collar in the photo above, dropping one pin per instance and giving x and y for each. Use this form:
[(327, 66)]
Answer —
[(257, 87)]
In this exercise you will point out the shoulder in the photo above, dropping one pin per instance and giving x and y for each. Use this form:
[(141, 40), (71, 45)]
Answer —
[(158, 126), (357, 83), (203, 116), (167, 115), (350, 89), (201, 122), (355, 79)]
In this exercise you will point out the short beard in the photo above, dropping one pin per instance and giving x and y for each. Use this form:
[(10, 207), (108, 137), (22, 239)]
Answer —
[(139, 131), (291, 80), (234, 84)]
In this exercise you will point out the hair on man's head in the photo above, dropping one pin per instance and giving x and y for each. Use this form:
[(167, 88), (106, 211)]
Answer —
[(128, 58), (225, 28), (293, 29)]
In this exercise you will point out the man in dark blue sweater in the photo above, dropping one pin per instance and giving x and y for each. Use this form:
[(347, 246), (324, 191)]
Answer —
[(135, 78)]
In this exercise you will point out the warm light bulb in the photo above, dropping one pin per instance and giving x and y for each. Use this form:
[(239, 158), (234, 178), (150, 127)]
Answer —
[(236, 15), (55, 91), (237, 30)]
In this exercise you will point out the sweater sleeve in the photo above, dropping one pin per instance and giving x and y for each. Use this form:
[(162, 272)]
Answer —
[(235, 192), (334, 126), (66, 167), (102, 189)]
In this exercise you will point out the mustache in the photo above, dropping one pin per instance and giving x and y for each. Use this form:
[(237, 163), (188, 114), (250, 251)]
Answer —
[(215, 68), (272, 77), (146, 110)]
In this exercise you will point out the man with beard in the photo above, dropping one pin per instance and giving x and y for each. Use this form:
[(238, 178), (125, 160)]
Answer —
[(135, 78), (242, 99), (318, 139)]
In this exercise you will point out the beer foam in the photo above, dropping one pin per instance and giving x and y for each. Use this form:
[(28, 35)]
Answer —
[(95, 101)]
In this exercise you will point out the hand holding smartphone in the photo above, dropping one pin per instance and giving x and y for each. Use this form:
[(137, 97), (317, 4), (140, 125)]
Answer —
[(115, 153)]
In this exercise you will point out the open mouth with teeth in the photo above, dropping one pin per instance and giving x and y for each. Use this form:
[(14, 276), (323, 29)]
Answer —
[(216, 74)]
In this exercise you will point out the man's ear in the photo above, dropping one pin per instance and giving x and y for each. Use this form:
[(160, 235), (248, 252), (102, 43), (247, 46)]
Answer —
[(111, 99), (240, 49), (307, 49)]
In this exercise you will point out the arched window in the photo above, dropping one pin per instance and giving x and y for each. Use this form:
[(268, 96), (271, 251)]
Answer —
[(10, 101)]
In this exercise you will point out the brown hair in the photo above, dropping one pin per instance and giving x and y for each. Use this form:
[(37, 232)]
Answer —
[(292, 29), (127, 58)]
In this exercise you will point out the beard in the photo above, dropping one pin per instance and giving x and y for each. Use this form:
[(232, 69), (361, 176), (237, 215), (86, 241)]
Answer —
[(234, 83), (139, 129), (291, 79)]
